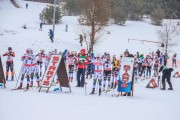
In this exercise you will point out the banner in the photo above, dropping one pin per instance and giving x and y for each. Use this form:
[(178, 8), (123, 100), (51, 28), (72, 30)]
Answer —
[(51, 71), (126, 75), (62, 74), (2, 77)]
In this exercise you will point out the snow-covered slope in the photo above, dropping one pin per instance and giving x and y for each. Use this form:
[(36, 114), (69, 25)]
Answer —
[(147, 104)]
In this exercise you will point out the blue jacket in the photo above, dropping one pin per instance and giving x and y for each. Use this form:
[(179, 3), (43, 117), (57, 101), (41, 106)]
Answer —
[(51, 34)]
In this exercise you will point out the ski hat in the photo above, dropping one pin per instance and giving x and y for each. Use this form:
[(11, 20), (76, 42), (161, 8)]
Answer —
[(98, 56), (114, 56), (31, 50), (9, 48), (83, 52), (42, 50), (28, 50)]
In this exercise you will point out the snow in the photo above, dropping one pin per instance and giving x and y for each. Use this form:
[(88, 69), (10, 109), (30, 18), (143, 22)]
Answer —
[(147, 104)]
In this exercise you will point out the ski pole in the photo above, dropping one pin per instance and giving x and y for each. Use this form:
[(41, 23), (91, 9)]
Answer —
[(19, 76), (85, 89), (97, 82), (4, 63)]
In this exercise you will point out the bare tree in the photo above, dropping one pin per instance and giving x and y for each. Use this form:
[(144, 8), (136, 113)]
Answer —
[(93, 19), (169, 34)]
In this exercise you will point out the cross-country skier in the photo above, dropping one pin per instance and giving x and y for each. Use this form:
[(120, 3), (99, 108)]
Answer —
[(135, 68), (98, 74), (107, 72), (149, 66), (26, 68), (156, 65), (158, 53), (140, 60), (40, 58), (115, 72), (9, 63), (120, 60), (34, 70), (144, 65), (47, 59), (165, 59), (71, 64), (90, 68)]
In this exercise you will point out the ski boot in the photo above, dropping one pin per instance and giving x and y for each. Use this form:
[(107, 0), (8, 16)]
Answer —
[(103, 88), (27, 87), (38, 83), (93, 90), (20, 87), (31, 84), (115, 86), (90, 76), (99, 92), (112, 86), (12, 78), (40, 74)]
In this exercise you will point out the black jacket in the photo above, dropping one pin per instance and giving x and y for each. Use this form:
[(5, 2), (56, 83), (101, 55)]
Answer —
[(166, 71)]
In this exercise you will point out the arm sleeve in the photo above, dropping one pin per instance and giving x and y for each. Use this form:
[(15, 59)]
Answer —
[(161, 68), (5, 54)]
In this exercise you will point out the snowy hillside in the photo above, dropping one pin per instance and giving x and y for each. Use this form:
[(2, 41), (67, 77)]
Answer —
[(147, 104)]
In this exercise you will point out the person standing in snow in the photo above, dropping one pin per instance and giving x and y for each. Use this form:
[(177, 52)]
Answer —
[(40, 57), (126, 53), (90, 68), (40, 29), (9, 63), (166, 75), (98, 74), (165, 59), (107, 72), (26, 5), (80, 39), (158, 53), (26, 68), (82, 61), (149, 66), (34, 70), (47, 59), (70, 61), (174, 60), (115, 72), (51, 35)]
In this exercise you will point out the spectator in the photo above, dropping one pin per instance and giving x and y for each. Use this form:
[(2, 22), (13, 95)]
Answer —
[(174, 60)]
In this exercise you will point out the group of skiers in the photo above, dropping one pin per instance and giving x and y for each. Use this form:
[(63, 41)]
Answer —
[(101, 68), (31, 65)]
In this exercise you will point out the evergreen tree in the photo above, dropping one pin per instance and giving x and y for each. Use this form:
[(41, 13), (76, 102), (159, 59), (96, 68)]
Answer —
[(47, 14), (119, 13), (157, 16)]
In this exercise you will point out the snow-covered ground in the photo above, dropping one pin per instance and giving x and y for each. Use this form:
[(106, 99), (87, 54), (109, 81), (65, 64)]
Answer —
[(147, 104)]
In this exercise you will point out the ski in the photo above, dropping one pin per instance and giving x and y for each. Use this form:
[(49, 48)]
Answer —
[(114, 95), (66, 91), (17, 89), (26, 90), (106, 91), (92, 93)]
